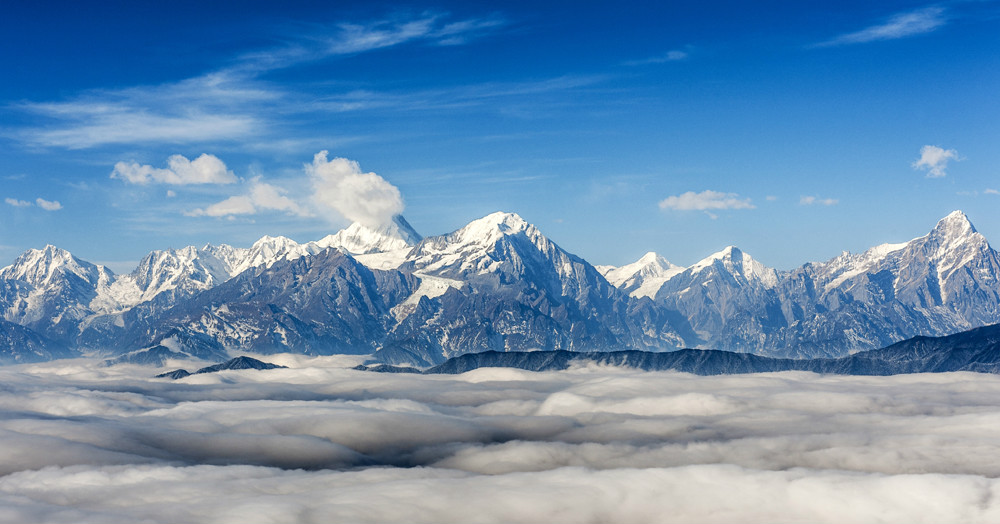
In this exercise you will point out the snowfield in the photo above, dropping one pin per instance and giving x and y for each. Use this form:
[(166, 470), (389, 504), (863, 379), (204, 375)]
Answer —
[(320, 442)]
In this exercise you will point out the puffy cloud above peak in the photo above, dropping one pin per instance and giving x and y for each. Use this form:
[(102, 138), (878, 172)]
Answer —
[(206, 169), (341, 189), (934, 160)]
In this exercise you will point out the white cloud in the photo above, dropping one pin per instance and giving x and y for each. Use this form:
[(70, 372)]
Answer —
[(674, 55), (989, 191), (17, 203), (206, 169), (899, 26), (317, 442), (261, 196), (812, 200), (340, 189), (771, 198), (934, 160), (48, 205), (704, 201)]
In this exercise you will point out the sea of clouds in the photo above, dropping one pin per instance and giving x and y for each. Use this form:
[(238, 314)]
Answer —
[(323, 443)]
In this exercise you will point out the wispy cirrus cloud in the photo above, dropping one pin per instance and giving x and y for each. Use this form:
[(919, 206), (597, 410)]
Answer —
[(900, 25), (218, 106), (231, 103), (353, 38), (674, 55)]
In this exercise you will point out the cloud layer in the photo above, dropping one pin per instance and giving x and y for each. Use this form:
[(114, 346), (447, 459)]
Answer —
[(320, 443)]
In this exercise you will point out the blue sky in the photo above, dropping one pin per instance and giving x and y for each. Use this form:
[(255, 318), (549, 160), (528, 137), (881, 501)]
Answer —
[(794, 130)]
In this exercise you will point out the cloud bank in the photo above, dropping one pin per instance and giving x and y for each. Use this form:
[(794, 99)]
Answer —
[(319, 443), (934, 160), (206, 169), (340, 189)]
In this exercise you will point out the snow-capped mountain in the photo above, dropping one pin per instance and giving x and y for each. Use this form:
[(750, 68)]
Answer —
[(359, 239), (642, 278), (499, 284), (49, 290), (496, 284)]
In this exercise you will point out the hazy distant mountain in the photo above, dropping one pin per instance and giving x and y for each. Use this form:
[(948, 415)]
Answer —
[(976, 350)]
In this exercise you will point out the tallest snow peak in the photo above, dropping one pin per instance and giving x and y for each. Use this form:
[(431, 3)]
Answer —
[(956, 224)]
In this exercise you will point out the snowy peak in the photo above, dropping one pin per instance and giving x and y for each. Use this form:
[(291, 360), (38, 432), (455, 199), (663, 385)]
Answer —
[(734, 261), (491, 227), (360, 239), (642, 278), (39, 267), (955, 225), (268, 250)]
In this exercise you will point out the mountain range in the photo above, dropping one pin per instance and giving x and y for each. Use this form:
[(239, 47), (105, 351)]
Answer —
[(976, 350), (497, 284)]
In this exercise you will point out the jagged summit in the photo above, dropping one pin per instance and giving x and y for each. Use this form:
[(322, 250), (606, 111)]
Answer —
[(642, 278), (953, 232), (491, 227), (39, 267), (360, 239), (738, 263)]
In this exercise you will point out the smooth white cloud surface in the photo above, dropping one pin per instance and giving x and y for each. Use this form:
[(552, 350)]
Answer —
[(934, 160), (704, 201), (319, 443), (341, 189), (206, 169)]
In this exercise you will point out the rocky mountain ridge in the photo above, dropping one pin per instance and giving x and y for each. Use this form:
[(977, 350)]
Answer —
[(497, 284)]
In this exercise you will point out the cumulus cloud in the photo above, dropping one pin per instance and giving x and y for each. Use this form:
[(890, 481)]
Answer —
[(705, 201), (898, 26), (48, 205), (261, 196), (17, 203), (341, 189), (814, 200), (317, 442), (206, 169), (934, 160)]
